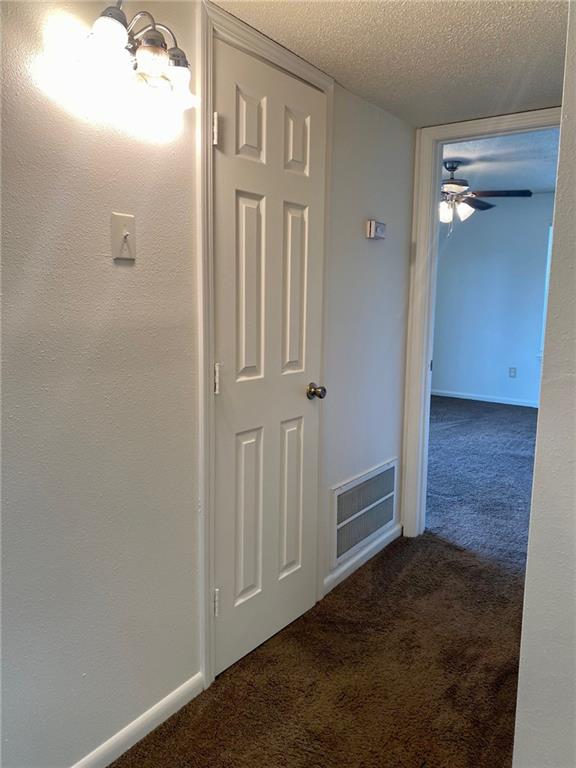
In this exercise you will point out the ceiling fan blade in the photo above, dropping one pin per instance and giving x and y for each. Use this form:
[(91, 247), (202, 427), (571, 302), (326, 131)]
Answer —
[(503, 193), (479, 205)]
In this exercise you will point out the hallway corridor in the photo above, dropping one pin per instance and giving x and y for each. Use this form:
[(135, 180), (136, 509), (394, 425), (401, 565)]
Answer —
[(412, 662)]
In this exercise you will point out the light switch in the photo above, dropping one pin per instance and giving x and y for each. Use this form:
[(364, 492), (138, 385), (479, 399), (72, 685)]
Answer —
[(123, 236)]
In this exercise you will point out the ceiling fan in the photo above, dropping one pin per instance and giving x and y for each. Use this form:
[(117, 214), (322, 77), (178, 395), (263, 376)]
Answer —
[(456, 195)]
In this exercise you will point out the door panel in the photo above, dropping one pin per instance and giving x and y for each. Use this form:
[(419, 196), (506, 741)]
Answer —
[(269, 220), (248, 523), (296, 141), (250, 117), (291, 497), (250, 284), (295, 251)]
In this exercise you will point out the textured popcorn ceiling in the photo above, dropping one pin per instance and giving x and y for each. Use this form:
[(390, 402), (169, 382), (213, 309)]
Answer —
[(427, 61)]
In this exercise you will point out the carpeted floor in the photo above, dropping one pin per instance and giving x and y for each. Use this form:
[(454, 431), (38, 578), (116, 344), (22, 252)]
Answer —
[(480, 464), (412, 662)]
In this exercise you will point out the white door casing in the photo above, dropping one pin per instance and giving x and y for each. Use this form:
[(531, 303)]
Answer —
[(269, 186)]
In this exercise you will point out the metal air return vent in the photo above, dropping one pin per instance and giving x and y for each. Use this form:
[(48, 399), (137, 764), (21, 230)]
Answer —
[(364, 508)]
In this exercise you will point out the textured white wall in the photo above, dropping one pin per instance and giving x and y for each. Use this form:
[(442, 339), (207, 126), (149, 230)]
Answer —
[(366, 290), (490, 302), (99, 392), (546, 715)]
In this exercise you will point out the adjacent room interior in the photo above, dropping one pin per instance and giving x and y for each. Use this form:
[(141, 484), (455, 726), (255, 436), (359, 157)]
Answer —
[(490, 318)]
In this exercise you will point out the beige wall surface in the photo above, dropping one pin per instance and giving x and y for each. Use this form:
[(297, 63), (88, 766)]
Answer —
[(546, 715), (99, 397), (365, 290)]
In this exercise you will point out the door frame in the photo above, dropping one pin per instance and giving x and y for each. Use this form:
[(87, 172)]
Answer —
[(423, 267), (214, 23)]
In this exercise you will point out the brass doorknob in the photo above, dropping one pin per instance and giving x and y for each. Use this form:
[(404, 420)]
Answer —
[(313, 390)]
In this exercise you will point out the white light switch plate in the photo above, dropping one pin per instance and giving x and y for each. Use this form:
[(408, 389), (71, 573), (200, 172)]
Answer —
[(123, 236)]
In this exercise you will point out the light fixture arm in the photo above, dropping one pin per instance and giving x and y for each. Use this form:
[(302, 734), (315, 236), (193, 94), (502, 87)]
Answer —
[(136, 19), (164, 28), (159, 26)]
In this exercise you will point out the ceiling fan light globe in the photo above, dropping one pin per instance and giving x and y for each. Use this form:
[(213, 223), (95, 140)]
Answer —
[(464, 210), (446, 212)]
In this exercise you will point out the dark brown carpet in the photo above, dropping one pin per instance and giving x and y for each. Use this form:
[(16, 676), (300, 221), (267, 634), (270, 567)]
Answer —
[(412, 662)]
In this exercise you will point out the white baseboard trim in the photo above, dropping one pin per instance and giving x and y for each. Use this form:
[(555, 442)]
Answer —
[(111, 750), (485, 398), (345, 569)]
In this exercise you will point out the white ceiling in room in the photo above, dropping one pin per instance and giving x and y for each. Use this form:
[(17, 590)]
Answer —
[(427, 61), (514, 161)]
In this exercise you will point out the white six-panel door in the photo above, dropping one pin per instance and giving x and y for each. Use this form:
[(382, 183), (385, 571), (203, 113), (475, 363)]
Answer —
[(269, 177)]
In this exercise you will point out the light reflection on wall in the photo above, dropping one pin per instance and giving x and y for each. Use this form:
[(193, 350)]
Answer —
[(100, 87)]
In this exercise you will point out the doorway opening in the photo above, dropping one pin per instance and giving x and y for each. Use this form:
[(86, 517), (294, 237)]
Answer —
[(494, 243), (426, 232)]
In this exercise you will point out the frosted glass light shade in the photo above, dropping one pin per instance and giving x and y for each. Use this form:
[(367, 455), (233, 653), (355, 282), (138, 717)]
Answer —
[(180, 79), (464, 211), (109, 32), (152, 61), (446, 212)]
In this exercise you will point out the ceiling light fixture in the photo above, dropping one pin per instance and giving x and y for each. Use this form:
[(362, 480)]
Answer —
[(152, 61), (455, 194)]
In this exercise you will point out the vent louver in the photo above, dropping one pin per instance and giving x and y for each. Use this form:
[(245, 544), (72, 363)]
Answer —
[(363, 508)]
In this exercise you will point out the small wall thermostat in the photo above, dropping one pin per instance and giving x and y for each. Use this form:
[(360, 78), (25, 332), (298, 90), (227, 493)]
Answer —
[(375, 230)]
